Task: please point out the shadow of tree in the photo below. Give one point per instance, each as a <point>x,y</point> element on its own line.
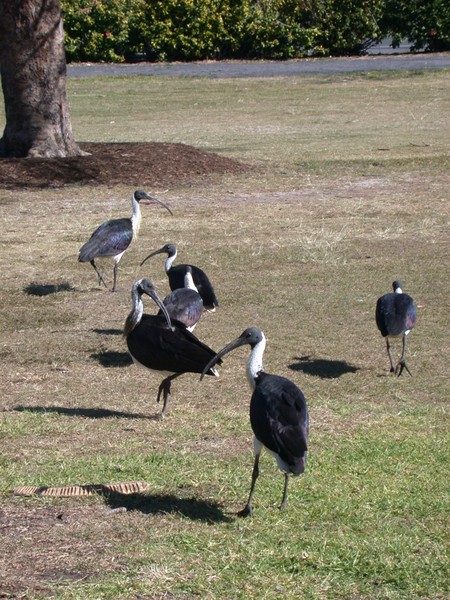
<point>110,359</point>
<point>322,367</point>
<point>90,413</point>
<point>108,331</point>
<point>45,289</point>
<point>151,504</point>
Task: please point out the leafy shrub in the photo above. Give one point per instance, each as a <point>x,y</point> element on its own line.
<point>97,30</point>
<point>117,30</point>
<point>425,23</point>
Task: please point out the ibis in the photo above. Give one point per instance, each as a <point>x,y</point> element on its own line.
<point>161,344</point>
<point>176,276</point>
<point>185,304</point>
<point>278,414</point>
<point>112,238</point>
<point>395,315</point>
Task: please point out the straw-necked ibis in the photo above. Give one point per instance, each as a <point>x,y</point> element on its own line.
<point>185,304</point>
<point>395,315</point>
<point>113,237</point>
<point>278,414</point>
<point>160,344</point>
<point>176,276</point>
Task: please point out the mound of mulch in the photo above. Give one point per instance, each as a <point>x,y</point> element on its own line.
<point>143,164</point>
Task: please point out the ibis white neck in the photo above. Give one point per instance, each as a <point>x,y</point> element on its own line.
<point>189,282</point>
<point>135,316</point>
<point>255,364</point>
<point>169,261</point>
<point>136,216</point>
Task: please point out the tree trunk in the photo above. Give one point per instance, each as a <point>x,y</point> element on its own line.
<point>33,74</point>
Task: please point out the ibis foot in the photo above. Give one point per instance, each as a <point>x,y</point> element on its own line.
<point>247,511</point>
<point>400,367</point>
<point>101,281</point>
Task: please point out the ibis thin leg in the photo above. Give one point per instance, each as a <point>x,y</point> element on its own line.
<point>402,363</point>
<point>99,274</point>
<point>284,500</point>
<point>388,348</point>
<point>247,511</point>
<point>116,269</point>
<point>164,389</point>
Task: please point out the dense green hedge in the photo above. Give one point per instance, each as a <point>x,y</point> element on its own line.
<point>425,23</point>
<point>117,30</point>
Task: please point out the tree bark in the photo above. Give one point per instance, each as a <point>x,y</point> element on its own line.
<point>33,75</point>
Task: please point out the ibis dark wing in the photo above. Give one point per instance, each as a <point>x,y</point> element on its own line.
<point>109,239</point>
<point>175,350</point>
<point>395,314</point>
<point>279,419</point>
<point>408,309</point>
<point>201,280</point>
<point>184,305</point>
<point>382,313</point>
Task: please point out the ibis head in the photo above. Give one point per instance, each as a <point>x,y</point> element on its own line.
<point>140,195</point>
<point>251,336</point>
<point>140,287</point>
<point>169,249</point>
<point>145,286</point>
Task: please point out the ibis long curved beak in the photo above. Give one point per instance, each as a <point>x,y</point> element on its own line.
<point>239,341</point>
<point>158,201</point>
<point>160,251</point>
<point>149,289</point>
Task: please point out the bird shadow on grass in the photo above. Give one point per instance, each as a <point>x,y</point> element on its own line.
<point>110,359</point>
<point>108,331</point>
<point>45,289</point>
<point>153,504</point>
<point>89,413</point>
<point>322,367</point>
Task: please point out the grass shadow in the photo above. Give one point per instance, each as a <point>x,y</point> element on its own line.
<point>153,504</point>
<point>111,359</point>
<point>322,367</point>
<point>108,331</point>
<point>89,413</point>
<point>45,289</point>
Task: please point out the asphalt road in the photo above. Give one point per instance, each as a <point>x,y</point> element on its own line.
<point>256,68</point>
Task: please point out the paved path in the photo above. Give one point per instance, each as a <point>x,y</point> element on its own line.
<point>256,68</point>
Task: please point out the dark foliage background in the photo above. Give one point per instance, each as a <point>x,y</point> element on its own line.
<point>186,30</point>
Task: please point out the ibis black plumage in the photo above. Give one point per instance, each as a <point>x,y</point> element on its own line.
<point>176,274</point>
<point>278,414</point>
<point>395,315</point>
<point>112,238</point>
<point>160,344</point>
<point>185,304</point>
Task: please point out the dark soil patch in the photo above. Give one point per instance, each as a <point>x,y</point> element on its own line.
<point>134,164</point>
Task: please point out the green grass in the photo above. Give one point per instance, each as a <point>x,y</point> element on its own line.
<point>349,192</point>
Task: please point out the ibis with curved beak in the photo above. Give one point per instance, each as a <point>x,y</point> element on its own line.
<point>177,273</point>
<point>112,238</point>
<point>161,344</point>
<point>395,315</point>
<point>278,414</point>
